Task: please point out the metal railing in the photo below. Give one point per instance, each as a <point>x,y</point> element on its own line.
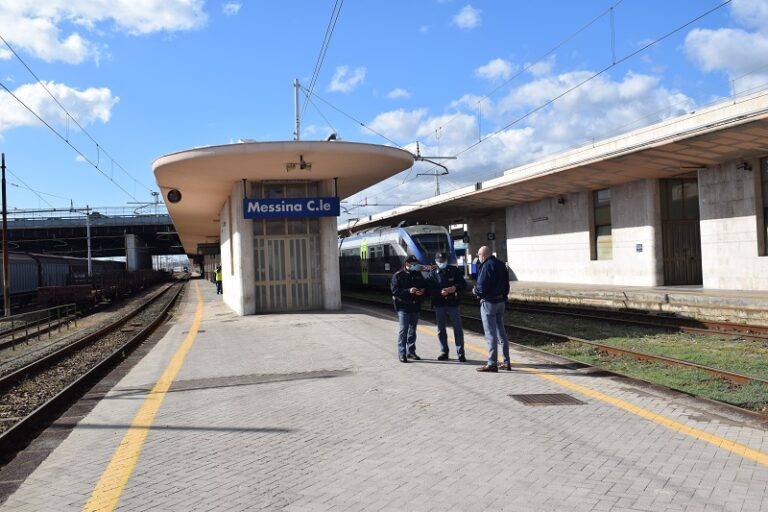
<point>34,324</point>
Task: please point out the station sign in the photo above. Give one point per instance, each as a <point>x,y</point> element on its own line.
<point>291,207</point>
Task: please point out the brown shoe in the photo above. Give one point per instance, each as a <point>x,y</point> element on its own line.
<point>505,366</point>
<point>488,368</point>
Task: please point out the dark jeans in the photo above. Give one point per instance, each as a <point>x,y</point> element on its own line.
<point>406,339</point>
<point>443,313</point>
<point>218,288</point>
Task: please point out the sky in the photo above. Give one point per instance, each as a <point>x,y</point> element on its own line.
<point>136,79</point>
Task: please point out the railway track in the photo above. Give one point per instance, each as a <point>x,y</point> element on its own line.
<point>36,392</point>
<point>650,320</point>
<point>736,378</point>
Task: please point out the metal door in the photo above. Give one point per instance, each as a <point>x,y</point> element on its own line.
<point>287,274</point>
<point>681,232</point>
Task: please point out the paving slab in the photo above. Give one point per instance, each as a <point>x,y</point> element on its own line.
<point>312,412</point>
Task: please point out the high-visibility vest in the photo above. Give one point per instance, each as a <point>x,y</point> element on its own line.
<point>218,275</point>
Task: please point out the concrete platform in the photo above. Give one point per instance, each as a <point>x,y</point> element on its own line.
<point>313,412</point>
<point>689,301</point>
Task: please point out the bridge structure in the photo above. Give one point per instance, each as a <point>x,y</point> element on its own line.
<point>111,231</point>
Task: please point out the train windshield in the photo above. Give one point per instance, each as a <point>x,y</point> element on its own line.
<point>431,243</point>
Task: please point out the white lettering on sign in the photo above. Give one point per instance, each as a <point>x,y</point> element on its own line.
<point>277,208</point>
<point>318,206</point>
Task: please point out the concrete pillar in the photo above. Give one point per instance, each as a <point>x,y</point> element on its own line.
<point>238,279</point>
<point>329,253</point>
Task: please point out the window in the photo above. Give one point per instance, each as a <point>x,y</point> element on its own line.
<point>602,248</point>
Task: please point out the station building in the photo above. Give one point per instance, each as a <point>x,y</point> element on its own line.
<point>267,213</point>
<point>681,202</point>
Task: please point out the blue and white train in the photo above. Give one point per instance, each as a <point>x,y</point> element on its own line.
<point>369,258</point>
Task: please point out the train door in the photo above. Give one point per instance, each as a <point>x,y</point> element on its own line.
<point>681,232</point>
<point>287,255</point>
<point>364,260</point>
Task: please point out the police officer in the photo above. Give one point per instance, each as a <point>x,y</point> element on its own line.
<point>408,291</point>
<point>447,284</point>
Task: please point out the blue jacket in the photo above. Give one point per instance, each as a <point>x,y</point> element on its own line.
<point>439,279</point>
<point>493,281</point>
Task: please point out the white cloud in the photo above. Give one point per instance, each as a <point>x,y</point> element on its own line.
<point>737,52</point>
<point>424,29</point>
<point>398,124</point>
<point>86,106</point>
<point>601,108</point>
<point>80,158</point>
<point>542,67</point>
<point>497,69</point>
<point>231,8</point>
<point>38,27</point>
<point>468,17</point>
<point>398,93</point>
<point>344,81</point>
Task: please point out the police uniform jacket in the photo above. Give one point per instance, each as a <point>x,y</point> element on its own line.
<point>493,281</point>
<point>445,278</point>
<point>401,284</point>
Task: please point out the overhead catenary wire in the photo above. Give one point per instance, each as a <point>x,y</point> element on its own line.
<point>36,192</point>
<point>323,49</point>
<point>99,147</point>
<point>66,140</point>
<point>582,83</point>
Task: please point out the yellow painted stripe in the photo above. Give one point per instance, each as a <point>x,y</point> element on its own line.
<point>109,488</point>
<point>720,442</point>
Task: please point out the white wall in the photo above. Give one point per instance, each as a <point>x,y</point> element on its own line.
<point>550,242</point>
<point>237,259</point>
<point>729,228</point>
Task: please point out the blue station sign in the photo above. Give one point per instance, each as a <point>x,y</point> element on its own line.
<point>291,207</point>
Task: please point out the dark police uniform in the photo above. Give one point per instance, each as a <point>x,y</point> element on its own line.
<point>408,306</point>
<point>447,306</point>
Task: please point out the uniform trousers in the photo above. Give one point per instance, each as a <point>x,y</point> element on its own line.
<point>406,338</point>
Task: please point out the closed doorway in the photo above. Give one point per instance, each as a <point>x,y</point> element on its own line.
<point>287,254</point>
<point>681,232</point>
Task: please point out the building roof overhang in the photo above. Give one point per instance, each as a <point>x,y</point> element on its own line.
<point>205,176</point>
<point>681,145</point>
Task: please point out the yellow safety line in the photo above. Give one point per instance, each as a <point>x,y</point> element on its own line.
<point>720,442</point>
<point>112,482</point>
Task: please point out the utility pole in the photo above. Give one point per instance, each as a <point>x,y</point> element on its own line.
<point>88,235</point>
<point>6,263</point>
<point>431,159</point>
<point>297,133</point>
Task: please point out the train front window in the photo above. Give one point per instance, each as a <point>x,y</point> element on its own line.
<point>431,243</point>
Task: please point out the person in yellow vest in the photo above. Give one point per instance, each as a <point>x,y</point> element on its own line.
<point>218,280</point>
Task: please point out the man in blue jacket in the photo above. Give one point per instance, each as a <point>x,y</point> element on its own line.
<point>492,289</point>
<point>447,286</point>
<point>408,288</point>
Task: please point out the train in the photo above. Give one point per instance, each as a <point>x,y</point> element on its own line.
<point>49,280</point>
<point>369,258</point>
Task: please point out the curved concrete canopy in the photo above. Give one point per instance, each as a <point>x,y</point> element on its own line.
<point>205,176</point>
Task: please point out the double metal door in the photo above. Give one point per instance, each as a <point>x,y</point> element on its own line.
<point>287,273</point>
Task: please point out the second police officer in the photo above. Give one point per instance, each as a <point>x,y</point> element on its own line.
<point>447,285</point>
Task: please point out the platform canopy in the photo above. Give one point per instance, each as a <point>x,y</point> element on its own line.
<point>205,176</point>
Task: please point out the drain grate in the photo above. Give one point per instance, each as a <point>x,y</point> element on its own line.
<point>548,399</point>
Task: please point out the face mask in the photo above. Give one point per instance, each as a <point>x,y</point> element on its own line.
<point>443,265</point>
<point>416,267</point>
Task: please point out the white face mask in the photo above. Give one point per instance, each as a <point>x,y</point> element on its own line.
<point>443,265</point>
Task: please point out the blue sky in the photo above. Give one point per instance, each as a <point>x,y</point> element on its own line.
<point>151,77</point>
